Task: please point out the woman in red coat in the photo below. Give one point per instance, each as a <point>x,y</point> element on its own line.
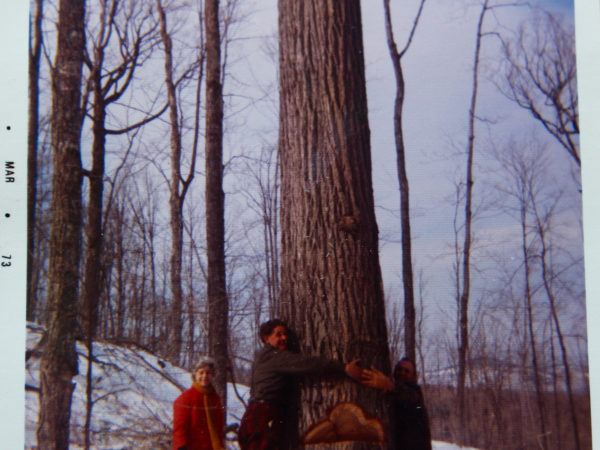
<point>198,419</point>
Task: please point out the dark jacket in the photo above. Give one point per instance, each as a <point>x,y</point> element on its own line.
<point>273,370</point>
<point>268,422</point>
<point>411,423</point>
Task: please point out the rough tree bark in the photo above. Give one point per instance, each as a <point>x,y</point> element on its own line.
<point>59,361</point>
<point>331,286</point>
<point>410,332</point>
<point>218,308</point>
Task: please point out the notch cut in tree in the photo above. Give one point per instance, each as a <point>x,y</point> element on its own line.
<point>346,422</point>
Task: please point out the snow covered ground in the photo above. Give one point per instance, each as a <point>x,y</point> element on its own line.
<point>133,395</point>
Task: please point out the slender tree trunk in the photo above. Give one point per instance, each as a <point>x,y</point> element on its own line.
<point>463,349</point>
<point>178,189</point>
<point>407,268</point>
<point>191,339</point>
<point>93,230</point>
<point>59,361</point>
<point>546,278</point>
<point>530,325</point>
<point>218,308</point>
<point>269,189</point>
<point>556,392</point>
<point>274,239</point>
<point>32,145</point>
<point>154,299</point>
<point>175,199</point>
<point>120,255</point>
<point>331,287</point>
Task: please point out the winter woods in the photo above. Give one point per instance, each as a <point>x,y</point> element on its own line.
<point>297,213</point>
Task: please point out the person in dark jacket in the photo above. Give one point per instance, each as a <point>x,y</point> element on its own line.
<point>410,421</point>
<point>198,418</point>
<point>273,371</point>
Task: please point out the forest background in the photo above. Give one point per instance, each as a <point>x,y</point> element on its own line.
<point>434,234</point>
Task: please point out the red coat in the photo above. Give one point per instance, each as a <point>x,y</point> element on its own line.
<point>190,421</point>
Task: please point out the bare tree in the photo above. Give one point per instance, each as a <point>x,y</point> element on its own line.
<point>407,267</point>
<point>178,185</point>
<point>523,166</point>
<point>263,199</point>
<point>329,245</point>
<point>144,205</point>
<point>197,327</point>
<point>463,267</point>
<point>541,77</point>
<point>543,222</point>
<point>135,35</point>
<point>464,288</point>
<point>59,360</point>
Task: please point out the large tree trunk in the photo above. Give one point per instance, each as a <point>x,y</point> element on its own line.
<point>218,308</point>
<point>59,360</point>
<point>32,144</point>
<point>331,287</point>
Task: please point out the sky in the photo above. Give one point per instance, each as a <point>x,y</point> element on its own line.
<point>435,125</point>
<point>454,34</point>
<point>437,71</point>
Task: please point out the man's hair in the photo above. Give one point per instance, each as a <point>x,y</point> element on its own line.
<point>267,328</point>
<point>397,368</point>
<point>406,358</point>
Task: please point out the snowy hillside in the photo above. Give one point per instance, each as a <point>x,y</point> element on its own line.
<point>133,396</point>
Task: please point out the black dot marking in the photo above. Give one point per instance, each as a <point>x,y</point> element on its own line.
<point>7,215</point>
<point>8,127</point>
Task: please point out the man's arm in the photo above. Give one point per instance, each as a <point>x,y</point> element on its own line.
<point>298,364</point>
<point>376,379</point>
